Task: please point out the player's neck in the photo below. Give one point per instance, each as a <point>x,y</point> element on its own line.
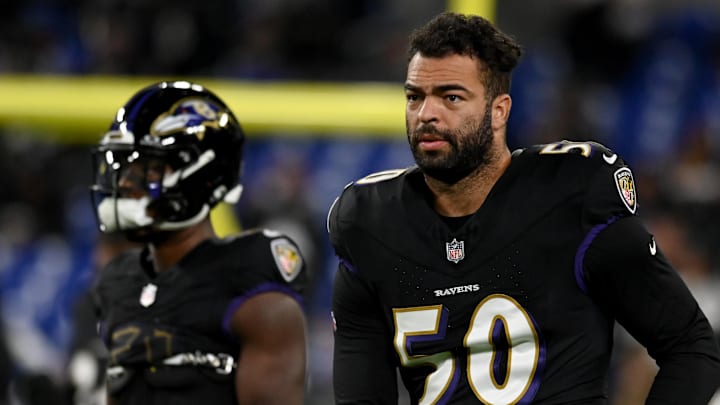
<point>169,253</point>
<point>467,195</point>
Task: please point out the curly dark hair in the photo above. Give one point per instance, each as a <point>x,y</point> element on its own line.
<point>470,35</point>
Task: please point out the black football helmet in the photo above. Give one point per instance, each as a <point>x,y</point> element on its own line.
<point>172,153</point>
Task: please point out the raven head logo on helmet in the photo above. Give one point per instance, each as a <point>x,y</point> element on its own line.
<point>172,153</point>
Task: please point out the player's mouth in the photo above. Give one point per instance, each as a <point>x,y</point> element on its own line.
<point>431,142</point>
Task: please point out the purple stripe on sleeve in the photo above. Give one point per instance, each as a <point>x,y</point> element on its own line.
<point>262,288</point>
<point>348,265</point>
<point>582,250</point>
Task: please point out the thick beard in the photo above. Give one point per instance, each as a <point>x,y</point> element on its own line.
<point>470,147</point>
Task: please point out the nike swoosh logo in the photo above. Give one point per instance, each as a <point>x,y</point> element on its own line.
<point>653,247</point>
<point>610,159</point>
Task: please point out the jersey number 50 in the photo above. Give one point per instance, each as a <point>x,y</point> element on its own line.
<point>428,324</point>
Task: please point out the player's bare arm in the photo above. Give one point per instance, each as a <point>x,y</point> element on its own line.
<point>272,361</point>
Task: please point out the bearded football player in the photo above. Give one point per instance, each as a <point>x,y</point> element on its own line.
<point>491,277</point>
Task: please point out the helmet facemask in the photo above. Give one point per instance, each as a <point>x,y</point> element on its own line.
<point>128,188</point>
<point>156,189</point>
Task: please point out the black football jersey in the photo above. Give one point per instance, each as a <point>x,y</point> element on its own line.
<point>165,332</point>
<point>497,311</point>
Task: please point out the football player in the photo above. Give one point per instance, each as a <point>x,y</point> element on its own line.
<point>494,277</point>
<point>191,318</point>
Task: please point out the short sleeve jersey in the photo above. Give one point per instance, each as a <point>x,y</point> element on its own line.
<point>148,318</point>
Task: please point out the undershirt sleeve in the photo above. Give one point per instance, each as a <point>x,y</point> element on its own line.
<point>364,370</point>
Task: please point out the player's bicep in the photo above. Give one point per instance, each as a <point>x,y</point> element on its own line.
<point>363,362</point>
<point>272,361</point>
<point>628,274</point>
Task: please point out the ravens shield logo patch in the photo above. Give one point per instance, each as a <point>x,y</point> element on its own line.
<point>287,258</point>
<point>626,187</point>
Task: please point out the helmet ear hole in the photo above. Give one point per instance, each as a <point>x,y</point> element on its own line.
<point>197,138</point>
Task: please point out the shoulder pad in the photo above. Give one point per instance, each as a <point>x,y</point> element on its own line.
<point>608,184</point>
<point>351,206</point>
<point>268,249</point>
<point>590,150</point>
<point>363,189</point>
<point>285,253</point>
<point>286,256</point>
<point>572,160</point>
<point>380,176</point>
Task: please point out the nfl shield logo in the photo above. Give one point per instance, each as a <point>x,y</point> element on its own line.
<point>455,250</point>
<point>147,296</point>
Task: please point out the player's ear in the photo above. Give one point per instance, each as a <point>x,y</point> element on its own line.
<point>500,111</point>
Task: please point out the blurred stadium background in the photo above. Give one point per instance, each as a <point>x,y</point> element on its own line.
<point>317,85</point>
